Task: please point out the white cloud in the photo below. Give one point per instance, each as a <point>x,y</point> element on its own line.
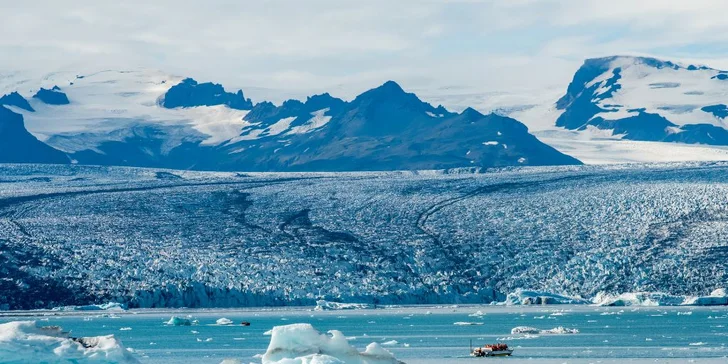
<point>345,45</point>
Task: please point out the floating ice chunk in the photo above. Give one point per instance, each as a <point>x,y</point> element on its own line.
<point>560,331</point>
<point>125,329</point>
<point>25,341</point>
<point>390,343</point>
<point>638,299</point>
<point>178,321</point>
<point>303,344</point>
<point>111,306</point>
<point>477,314</point>
<point>323,305</point>
<point>719,297</point>
<point>224,321</point>
<point>700,343</point>
<point>231,361</point>
<point>464,323</point>
<point>524,330</point>
<point>526,297</point>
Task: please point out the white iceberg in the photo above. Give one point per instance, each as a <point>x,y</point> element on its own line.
<point>322,305</point>
<point>178,321</point>
<point>466,323</point>
<point>303,344</point>
<point>527,330</point>
<point>26,342</point>
<point>560,331</point>
<point>521,330</point>
<point>718,297</point>
<point>526,297</point>
<point>224,321</point>
<point>110,306</point>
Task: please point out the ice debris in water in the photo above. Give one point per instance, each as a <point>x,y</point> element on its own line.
<point>179,321</point>
<point>26,342</point>
<point>520,330</point>
<point>224,321</point>
<point>303,344</point>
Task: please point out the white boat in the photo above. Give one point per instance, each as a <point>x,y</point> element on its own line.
<point>492,350</point>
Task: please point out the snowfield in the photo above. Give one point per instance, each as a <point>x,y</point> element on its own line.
<point>74,236</point>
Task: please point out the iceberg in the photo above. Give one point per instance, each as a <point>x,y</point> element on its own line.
<point>25,341</point>
<point>322,305</point>
<point>526,330</point>
<point>178,321</point>
<point>110,306</point>
<point>303,344</point>
<point>521,330</point>
<point>526,297</point>
<point>560,331</point>
<point>224,321</point>
<point>718,297</point>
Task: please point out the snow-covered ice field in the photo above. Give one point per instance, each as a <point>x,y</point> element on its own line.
<point>424,335</point>
<point>73,235</point>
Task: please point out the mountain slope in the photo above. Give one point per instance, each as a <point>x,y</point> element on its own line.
<point>386,129</point>
<point>639,98</point>
<point>17,145</point>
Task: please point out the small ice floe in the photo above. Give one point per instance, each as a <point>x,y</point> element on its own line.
<point>524,330</point>
<point>238,338</point>
<point>477,314</point>
<point>390,343</point>
<point>524,337</point>
<point>231,361</point>
<point>700,343</point>
<point>406,345</point>
<point>539,317</point>
<point>224,321</point>
<point>323,305</point>
<point>178,321</point>
<point>560,331</point>
<point>125,329</point>
<point>195,332</point>
<point>521,330</point>
<point>465,323</point>
<point>371,322</point>
<point>648,339</point>
<point>685,313</point>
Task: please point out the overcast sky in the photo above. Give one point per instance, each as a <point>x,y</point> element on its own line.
<point>340,45</point>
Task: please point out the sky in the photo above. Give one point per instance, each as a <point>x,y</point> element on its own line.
<point>303,47</point>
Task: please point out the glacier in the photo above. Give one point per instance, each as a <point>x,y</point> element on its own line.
<point>152,238</point>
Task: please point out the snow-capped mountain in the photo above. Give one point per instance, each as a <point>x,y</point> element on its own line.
<point>648,99</point>
<point>145,118</point>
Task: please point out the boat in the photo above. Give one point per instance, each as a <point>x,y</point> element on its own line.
<point>492,350</point>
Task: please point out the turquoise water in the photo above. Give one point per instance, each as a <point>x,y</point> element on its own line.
<point>426,334</point>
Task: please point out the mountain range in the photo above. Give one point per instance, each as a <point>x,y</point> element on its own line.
<point>151,119</point>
